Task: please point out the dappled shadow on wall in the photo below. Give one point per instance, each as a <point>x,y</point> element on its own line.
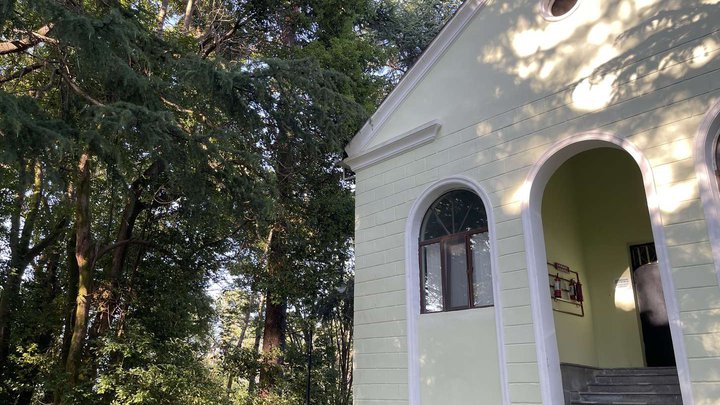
<point>603,48</point>
<point>588,71</point>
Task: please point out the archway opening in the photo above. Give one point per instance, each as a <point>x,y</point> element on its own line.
<point>604,282</point>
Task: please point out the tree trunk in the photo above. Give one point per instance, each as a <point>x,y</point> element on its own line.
<point>84,256</point>
<point>276,302</point>
<point>189,11</point>
<point>133,207</point>
<point>241,339</point>
<point>20,255</point>
<point>161,15</point>
<point>273,339</point>
<point>309,346</point>
<point>73,275</point>
<point>252,384</point>
<point>44,336</point>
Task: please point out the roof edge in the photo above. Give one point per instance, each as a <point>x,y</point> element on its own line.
<point>409,140</point>
<point>412,78</point>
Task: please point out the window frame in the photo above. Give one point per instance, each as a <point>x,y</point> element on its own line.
<point>469,271</point>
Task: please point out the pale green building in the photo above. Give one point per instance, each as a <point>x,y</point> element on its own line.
<point>538,214</point>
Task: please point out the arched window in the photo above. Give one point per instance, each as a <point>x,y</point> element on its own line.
<point>454,252</point>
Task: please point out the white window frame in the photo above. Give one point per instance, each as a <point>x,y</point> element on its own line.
<point>412,278</point>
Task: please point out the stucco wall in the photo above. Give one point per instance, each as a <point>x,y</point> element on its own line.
<point>459,357</point>
<point>511,86</point>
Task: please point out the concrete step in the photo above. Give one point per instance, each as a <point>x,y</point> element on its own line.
<point>632,386</point>
<point>636,371</point>
<point>622,403</point>
<point>639,387</point>
<point>631,397</point>
<point>639,378</point>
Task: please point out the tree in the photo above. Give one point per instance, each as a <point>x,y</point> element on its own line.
<point>148,147</point>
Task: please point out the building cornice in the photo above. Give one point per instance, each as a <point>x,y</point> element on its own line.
<point>407,141</point>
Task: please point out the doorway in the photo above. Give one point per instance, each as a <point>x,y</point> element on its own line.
<point>657,341</point>
<point>534,189</point>
<point>593,208</point>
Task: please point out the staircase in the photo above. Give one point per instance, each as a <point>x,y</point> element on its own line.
<point>631,386</point>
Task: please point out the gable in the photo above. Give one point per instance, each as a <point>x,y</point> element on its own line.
<point>367,139</point>
<point>501,63</point>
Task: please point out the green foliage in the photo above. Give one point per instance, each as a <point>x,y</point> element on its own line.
<point>214,150</point>
<point>407,27</point>
<point>156,371</point>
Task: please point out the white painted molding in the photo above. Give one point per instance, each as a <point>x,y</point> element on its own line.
<point>407,141</point>
<point>705,166</point>
<point>412,78</point>
<point>412,279</point>
<point>543,322</point>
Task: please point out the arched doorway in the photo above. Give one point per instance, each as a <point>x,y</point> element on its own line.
<point>546,335</point>
<point>609,309</point>
<point>707,166</point>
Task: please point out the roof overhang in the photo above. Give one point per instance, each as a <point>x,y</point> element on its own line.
<point>409,140</point>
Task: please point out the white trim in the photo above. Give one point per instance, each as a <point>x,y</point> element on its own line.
<point>544,325</point>
<point>707,137</point>
<point>412,279</point>
<point>412,139</point>
<point>413,77</point>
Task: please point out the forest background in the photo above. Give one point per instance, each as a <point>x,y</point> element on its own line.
<point>175,227</point>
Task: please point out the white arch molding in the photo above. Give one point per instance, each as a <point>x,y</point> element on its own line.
<point>705,167</point>
<point>543,322</point>
<point>412,278</point>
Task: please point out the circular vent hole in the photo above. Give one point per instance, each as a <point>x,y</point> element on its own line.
<point>561,7</point>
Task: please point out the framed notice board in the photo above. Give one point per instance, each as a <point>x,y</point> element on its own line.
<point>566,290</point>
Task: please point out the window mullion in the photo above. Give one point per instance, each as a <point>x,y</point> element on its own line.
<point>443,276</point>
<point>469,271</point>
<point>423,271</point>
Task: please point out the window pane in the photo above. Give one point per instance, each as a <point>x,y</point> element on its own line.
<point>454,212</point>
<point>432,278</point>
<point>482,275</point>
<point>456,267</point>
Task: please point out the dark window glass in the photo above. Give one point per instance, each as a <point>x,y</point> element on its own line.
<point>454,254</point>
<point>454,212</point>
<point>457,272</point>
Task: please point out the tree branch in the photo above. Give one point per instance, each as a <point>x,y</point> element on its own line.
<point>22,72</point>
<point>76,88</point>
<point>20,45</point>
<point>238,23</point>
<point>108,248</point>
<point>59,229</point>
<point>190,112</point>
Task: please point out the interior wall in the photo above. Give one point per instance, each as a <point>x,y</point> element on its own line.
<point>563,244</point>
<point>594,208</point>
<point>610,185</point>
